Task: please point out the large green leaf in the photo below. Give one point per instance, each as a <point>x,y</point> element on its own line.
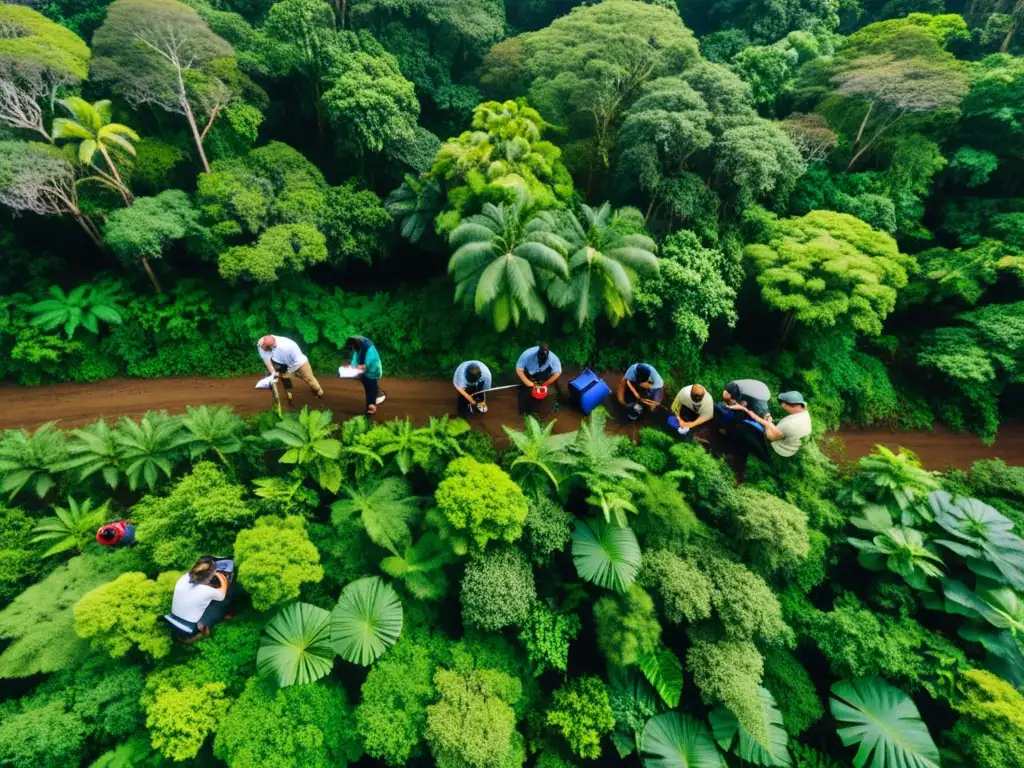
<point>297,648</point>
<point>606,555</point>
<point>983,535</point>
<point>366,621</point>
<point>772,752</point>
<point>664,671</point>
<point>675,740</point>
<point>882,720</point>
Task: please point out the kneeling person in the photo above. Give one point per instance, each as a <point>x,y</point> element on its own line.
<point>786,437</point>
<point>640,387</point>
<point>471,379</point>
<point>201,599</point>
<point>537,368</point>
<point>693,407</point>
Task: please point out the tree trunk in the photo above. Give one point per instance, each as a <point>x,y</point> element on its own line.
<point>1009,34</point>
<point>341,7</point>
<point>871,141</point>
<point>863,123</point>
<point>787,328</point>
<point>183,100</point>
<point>149,273</point>
<point>89,229</point>
<point>121,186</point>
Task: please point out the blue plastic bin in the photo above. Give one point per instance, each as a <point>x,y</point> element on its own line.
<point>588,390</point>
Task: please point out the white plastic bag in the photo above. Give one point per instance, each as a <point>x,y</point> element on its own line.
<point>348,372</point>
<point>266,382</point>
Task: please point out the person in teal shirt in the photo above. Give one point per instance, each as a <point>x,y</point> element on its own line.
<point>364,356</point>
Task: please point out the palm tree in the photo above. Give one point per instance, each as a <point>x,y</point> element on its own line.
<point>385,508</point>
<point>149,447</point>
<point>605,262</point>
<point>31,459</point>
<point>596,455</point>
<point>90,126</point>
<point>539,455</point>
<point>500,254</point>
<point>212,428</point>
<point>71,527</point>
<point>94,449</point>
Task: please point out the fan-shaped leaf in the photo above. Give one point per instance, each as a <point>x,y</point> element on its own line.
<point>366,621</point>
<point>296,649</point>
<point>606,555</point>
<point>675,740</point>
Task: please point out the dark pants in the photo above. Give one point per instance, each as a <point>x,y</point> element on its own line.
<point>372,389</point>
<point>525,396</point>
<point>657,395</point>
<point>215,612</point>
<point>476,391</point>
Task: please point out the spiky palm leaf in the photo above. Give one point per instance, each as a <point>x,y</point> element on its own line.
<point>605,261</point>
<point>385,507</point>
<point>439,442</point>
<point>414,205</point>
<point>421,567</point>
<point>82,307</point>
<point>212,428</point>
<point>396,439</point>
<point>606,555</point>
<point>596,454</point>
<point>31,459</point>
<point>94,449</point>
<point>675,740</point>
<point>499,255</point>
<point>882,720</point>
<point>71,527</point>
<point>366,621</point>
<point>150,447</point>
<point>540,456</point>
<point>664,672</point>
<point>296,649</point>
<point>309,444</point>
<point>90,126</point>
<point>767,748</point>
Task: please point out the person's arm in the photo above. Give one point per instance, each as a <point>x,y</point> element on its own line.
<point>553,379</point>
<point>771,432</point>
<point>521,373</point>
<point>556,371</point>
<point>267,362</point>
<point>699,420</point>
<point>466,395</point>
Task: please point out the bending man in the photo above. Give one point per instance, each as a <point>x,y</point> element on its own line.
<point>471,379</point>
<point>693,407</point>
<point>284,360</point>
<point>364,356</point>
<point>786,437</point>
<point>641,387</point>
<point>537,367</point>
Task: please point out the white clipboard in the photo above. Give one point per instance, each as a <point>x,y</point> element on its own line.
<point>348,372</point>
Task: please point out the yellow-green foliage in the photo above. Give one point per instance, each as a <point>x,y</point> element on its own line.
<point>581,712</point>
<point>275,558</point>
<point>728,672</point>
<point>774,531</point>
<point>180,719</point>
<point>990,731</point>
<point>41,45</point>
<point>627,626</point>
<point>473,724</point>
<point>200,516</point>
<point>479,503</point>
<point>125,614</point>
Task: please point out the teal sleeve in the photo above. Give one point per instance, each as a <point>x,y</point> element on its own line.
<point>374,370</point>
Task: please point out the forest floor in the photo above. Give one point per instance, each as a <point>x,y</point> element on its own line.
<point>75,405</point>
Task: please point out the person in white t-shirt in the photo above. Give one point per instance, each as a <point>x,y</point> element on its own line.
<point>786,437</point>
<point>201,599</point>
<point>284,360</point>
<point>693,407</point>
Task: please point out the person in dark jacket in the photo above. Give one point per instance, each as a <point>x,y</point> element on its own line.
<point>363,355</point>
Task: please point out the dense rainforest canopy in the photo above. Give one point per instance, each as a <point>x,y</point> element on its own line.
<point>825,195</point>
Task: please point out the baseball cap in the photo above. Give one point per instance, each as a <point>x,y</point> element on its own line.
<point>792,397</point>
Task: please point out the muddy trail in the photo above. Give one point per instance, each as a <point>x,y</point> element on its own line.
<point>74,405</point>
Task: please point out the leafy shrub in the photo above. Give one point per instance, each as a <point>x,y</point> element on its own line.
<point>274,559</point>
<point>705,480</point>
<point>473,721</point>
<point>201,515</point>
<point>20,562</point>
<point>728,672</point>
<point>746,605</point>
<point>548,528</point>
<point>180,719</point>
<point>684,590</point>
<point>990,731</point>
<point>479,503</point>
<point>546,636</point>
<point>665,520</point>
<point>794,691</point>
<point>773,530</point>
<point>498,589</point>
<point>627,626</point>
<point>302,726</point>
<point>47,736</point>
<point>125,614</point>
<point>581,712</point>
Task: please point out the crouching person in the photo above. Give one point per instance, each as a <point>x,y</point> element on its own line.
<point>202,598</point>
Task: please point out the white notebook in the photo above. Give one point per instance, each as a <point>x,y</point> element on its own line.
<point>348,372</point>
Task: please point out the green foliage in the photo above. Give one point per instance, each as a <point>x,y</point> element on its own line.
<point>47,736</point>
<point>385,507</point>
<point>202,514</point>
<point>180,719</point>
<point>684,590</point>
<point>827,269</point>
<point>546,635</point>
<point>729,672</point>
<point>664,672</point>
<point>673,739</point>
<point>309,445</point>
<point>896,481</point>
<point>882,719</point>
<point>605,554</point>
<point>988,733</point>
<point>763,745</point>
<point>479,503</point>
<point>31,459</point>
<point>302,725</point>
<point>582,714</point>
<point>82,307</point>
<point>547,529</point>
<point>746,605</point>
<point>296,649</point>
<point>366,621</point>
<point>627,626</point>
<point>275,558</point>
<point>212,428</point>
<point>497,590</point>
<point>125,614</point>
<point>149,447</point>
<point>40,622</point>
<point>473,722</point>
<point>540,458</point>
<point>71,527</point>
<point>20,562</point>
<point>773,530</point>
<point>984,537</point>
<point>421,567</point>
<point>794,691</point>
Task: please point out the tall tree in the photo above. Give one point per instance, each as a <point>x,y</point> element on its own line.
<point>161,52</point>
<point>37,59</point>
<point>90,126</point>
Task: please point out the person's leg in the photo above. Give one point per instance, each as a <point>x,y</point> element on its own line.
<point>217,610</point>
<point>305,372</point>
<point>524,399</point>
<point>370,388</point>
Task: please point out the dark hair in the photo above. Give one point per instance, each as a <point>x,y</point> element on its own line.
<point>203,571</point>
<point>543,350</point>
<point>642,373</point>
<point>733,389</point>
<point>107,534</point>
<point>473,373</point>
<point>357,345</point>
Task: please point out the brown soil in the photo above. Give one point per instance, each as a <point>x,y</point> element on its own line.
<point>78,404</point>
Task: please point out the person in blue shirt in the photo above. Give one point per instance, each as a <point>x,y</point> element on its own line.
<point>537,367</point>
<point>641,387</point>
<point>364,356</point>
<point>471,379</point>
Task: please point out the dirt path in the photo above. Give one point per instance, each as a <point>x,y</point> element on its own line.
<point>78,404</point>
